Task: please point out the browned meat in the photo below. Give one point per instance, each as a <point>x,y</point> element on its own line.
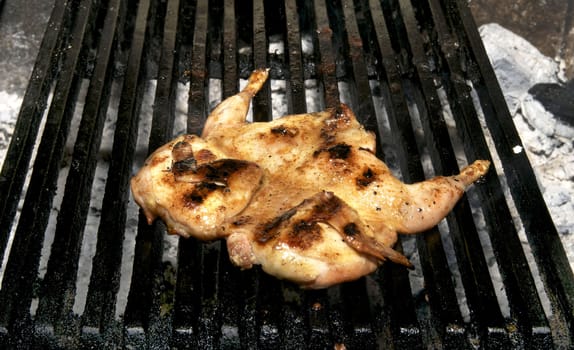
<point>303,196</point>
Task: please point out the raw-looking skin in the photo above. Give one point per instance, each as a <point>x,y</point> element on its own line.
<point>304,196</point>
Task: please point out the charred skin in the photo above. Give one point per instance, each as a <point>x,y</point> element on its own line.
<point>304,196</point>
<point>193,189</point>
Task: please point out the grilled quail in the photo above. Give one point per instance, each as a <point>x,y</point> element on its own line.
<point>304,196</point>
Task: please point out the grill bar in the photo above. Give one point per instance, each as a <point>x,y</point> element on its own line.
<point>197,102</point>
<point>187,290</point>
<point>443,158</point>
<point>229,49</point>
<point>268,24</point>
<point>293,324</point>
<point>541,232</point>
<point>341,321</point>
<point>21,270</point>
<point>405,67</point>
<point>97,320</point>
<point>29,119</point>
<point>295,62</point>
<point>478,286</point>
<point>430,247</point>
<point>327,64</point>
<point>55,307</point>
<point>261,105</point>
<point>143,309</point>
<point>520,286</point>
<point>433,260</point>
<point>406,331</point>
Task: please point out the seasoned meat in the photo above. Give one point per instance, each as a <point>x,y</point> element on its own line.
<point>304,196</point>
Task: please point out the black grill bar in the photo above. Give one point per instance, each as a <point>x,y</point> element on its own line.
<point>342,63</point>
<point>267,300</point>
<point>519,283</point>
<point>59,285</point>
<point>30,116</point>
<point>445,314</point>
<point>295,61</point>
<point>360,91</point>
<point>401,315</point>
<point>520,286</point>
<point>215,39</point>
<point>540,230</point>
<point>327,64</point>
<point>261,104</point>
<point>208,319</point>
<point>229,49</point>
<point>97,320</point>
<point>166,90</point>
<point>479,290</point>
<point>244,20</point>
<point>444,161</point>
<point>401,65</point>
<point>144,321</point>
<point>197,109</point>
<point>187,294</point>
<point>21,270</point>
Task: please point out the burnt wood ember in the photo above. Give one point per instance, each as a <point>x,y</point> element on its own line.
<point>414,72</point>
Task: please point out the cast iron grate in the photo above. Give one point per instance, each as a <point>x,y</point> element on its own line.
<point>413,71</point>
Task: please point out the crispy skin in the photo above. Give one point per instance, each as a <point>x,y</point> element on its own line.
<point>192,196</point>
<point>303,196</point>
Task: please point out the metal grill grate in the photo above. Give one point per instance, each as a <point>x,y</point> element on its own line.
<point>413,71</point>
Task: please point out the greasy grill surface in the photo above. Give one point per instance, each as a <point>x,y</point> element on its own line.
<point>398,64</point>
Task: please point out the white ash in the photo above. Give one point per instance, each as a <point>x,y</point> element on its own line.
<point>548,144</point>
<point>517,63</point>
<point>9,107</point>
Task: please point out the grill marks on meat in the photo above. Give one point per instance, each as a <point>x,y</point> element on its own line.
<point>339,151</point>
<point>285,131</point>
<point>299,227</point>
<point>303,196</point>
<point>210,176</point>
<point>193,188</point>
<point>217,172</point>
<point>198,194</point>
<point>366,178</point>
